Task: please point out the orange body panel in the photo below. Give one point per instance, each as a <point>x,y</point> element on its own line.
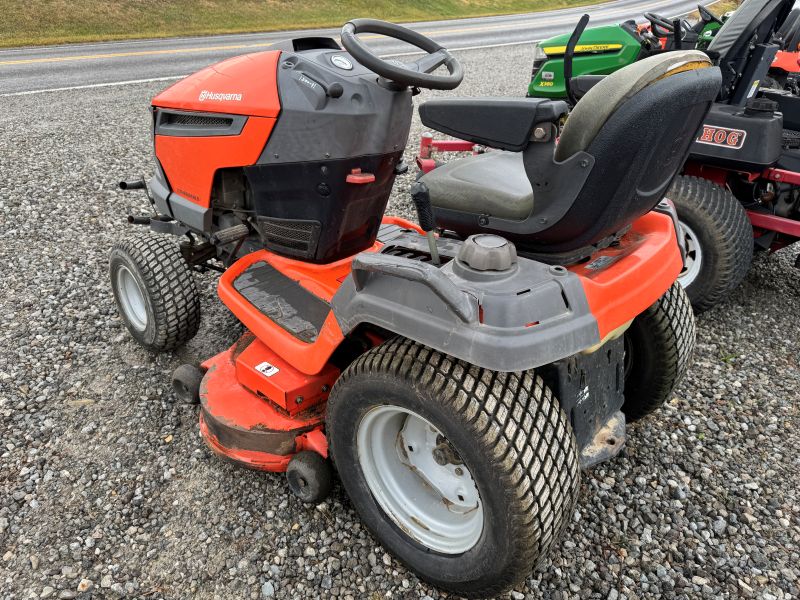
<point>262,371</point>
<point>243,85</point>
<point>190,162</point>
<point>621,282</point>
<point>788,61</point>
<point>320,280</point>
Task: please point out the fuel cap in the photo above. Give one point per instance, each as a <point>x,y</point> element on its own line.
<point>487,252</point>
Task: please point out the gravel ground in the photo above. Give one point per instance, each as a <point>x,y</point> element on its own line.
<point>106,489</point>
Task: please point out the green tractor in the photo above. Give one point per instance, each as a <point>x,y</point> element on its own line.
<point>602,50</point>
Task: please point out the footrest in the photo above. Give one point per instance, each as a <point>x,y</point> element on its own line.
<point>283,300</point>
<point>231,234</point>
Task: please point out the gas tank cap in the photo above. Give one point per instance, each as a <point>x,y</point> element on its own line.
<point>487,252</point>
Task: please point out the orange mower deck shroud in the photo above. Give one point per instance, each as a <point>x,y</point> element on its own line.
<point>250,412</point>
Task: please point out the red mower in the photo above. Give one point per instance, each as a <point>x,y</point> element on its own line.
<point>459,372</point>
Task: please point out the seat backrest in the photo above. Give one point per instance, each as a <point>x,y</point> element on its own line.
<point>638,124</point>
<point>785,31</point>
<point>754,21</point>
<point>789,32</point>
<point>606,96</point>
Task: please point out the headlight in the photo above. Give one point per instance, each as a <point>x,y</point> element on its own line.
<point>539,59</point>
<point>538,53</point>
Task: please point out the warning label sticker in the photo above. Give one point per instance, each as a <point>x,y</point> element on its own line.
<point>267,369</point>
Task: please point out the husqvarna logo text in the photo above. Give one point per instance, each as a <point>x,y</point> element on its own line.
<point>206,95</point>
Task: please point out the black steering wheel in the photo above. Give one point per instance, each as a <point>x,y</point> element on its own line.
<point>707,16</point>
<point>657,21</point>
<point>416,74</point>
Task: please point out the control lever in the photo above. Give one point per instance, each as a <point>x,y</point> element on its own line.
<point>427,220</point>
<point>133,185</point>
<point>677,35</point>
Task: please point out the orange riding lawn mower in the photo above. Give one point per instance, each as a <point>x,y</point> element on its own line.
<point>459,372</point>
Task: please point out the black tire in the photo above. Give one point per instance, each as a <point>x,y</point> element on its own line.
<point>510,433</point>
<point>171,304</point>
<point>186,380</point>
<point>310,477</point>
<point>723,233</point>
<point>658,349</point>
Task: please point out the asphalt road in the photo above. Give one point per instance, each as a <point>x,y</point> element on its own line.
<point>35,69</point>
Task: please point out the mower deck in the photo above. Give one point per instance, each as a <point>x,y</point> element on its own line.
<point>258,411</point>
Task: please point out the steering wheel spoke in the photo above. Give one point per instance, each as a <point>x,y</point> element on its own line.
<point>660,25</point>
<point>415,74</point>
<point>430,62</point>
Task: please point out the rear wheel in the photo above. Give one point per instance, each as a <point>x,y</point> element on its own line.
<point>155,291</point>
<point>658,348</point>
<point>718,237</point>
<point>466,475</point>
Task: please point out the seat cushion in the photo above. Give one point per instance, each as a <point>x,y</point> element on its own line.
<point>493,183</point>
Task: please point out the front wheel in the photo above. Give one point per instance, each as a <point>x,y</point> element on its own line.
<point>658,348</point>
<point>155,291</point>
<point>718,237</point>
<point>466,475</point>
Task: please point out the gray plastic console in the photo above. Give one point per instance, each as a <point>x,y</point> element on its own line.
<point>528,315</point>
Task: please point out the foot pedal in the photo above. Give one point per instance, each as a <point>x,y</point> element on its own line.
<point>230,234</point>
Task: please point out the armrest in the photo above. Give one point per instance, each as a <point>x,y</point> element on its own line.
<point>502,123</point>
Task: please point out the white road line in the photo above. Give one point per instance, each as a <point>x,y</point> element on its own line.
<point>92,86</point>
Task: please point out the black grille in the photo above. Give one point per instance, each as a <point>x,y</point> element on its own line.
<point>291,236</point>
<point>196,120</point>
<point>413,254</point>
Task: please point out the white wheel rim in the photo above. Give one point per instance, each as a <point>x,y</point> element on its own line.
<point>694,256</point>
<point>131,298</point>
<point>438,505</point>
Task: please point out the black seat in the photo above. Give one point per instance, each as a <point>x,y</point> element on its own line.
<point>750,26</point>
<point>789,32</point>
<point>621,147</point>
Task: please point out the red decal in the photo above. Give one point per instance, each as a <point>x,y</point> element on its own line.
<point>722,136</point>
<point>708,134</point>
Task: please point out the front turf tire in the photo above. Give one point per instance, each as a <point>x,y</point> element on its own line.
<point>658,349</point>
<point>508,430</point>
<point>719,236</point>
<point>155,291</point>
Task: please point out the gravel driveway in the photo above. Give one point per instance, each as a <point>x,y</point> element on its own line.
<point>106,489</point>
